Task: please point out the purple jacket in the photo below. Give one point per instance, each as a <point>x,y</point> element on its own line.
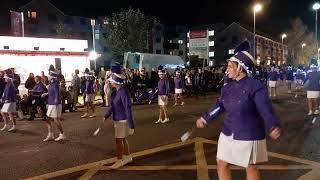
<point>289,75</point>
<point>313,79</point>
<point>39,89</point>
<point>120,107</point>
<point>89,86</point>
<point>9,94</point>
<point>178,84</point>
<point>163,86</point>
<point>300,76</point>
<point>273,76</point>
<point>248,108</point>
<point>54,97</point>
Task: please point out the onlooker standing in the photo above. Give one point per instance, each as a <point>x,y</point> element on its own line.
<point>36,100</point>
<point>107,89</point>
<point>90,94</point>
<point>101,90</point>
<point>44,79</point>
<point>75,83</point>
<point>30,83</point>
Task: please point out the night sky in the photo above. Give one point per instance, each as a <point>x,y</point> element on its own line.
<point>275,17</point>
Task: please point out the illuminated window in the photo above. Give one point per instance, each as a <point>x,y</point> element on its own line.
<point>211,54</point>
<point>180,41</point>
<point>32,14</point>
<point>188,34</point>
<point>211,43</point>
<point>188,44</point>
<point>231,51</point>
<point>211,33</point>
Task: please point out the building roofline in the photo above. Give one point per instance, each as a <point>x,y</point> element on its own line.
<point>21,7</point>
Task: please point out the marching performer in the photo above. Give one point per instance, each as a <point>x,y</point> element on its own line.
<point>54,106</point>
<point>242,141</point>
<point>90,94</point>
<point>273,77</point>
<point>9,99</point>
<point>178,88</point>
<point>313,88</point>
<point>289,77</point>
<point>163,86</point>
<point>124,125</point>
<point>299,80</point>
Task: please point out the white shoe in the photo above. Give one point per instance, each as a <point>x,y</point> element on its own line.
<point>296,96</point>
<point>165,120</point>
<point>61,137</point>
<point>4,127</point>
<point>85,115</point>
<point>159,121</point>
<point>50,137</point>
<point>175,104</point>
<point>182,103</point>
<point>314,120</point>
<point>310,113</point>
<point>127,159</point>
<point>13,128</point>
<point>92,116</point>
<point>316,112</point>
<point>118,164</point>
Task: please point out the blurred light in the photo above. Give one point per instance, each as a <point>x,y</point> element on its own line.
<point>283,36</point>
<point>303,45</point>
<point>257,7</point>
<point>93,55</point>
<point>316,6</point>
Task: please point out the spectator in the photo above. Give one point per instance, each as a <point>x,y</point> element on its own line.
<point>76,83</point>
<point>30,83</point>
<point>36,100</point>
<point>44,79</point>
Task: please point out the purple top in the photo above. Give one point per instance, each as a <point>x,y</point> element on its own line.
<point>313,81</point>
<point>54,97</point>
<point>289,75</point>
<point>300,76</point>
<point>120,107</point>
<point>178,84</point>
<point>247,108</point>
<point>226,79</point>
<point>163,86</point>
<point>273,76</point>
<point>9,94</point>
<point>39,89</point>
<point>89,86</point>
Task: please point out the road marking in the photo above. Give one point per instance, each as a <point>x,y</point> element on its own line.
<point>202,166</point>
<point>312,175</point>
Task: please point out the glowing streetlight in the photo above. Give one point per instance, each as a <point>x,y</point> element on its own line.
<point>303,45</point>
<point>316,7</point>
<point>93,55</point>
<point>282,37</point>
<point>256,8</point>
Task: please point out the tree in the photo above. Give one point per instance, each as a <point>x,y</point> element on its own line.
<point>62,31</point>
<point>297,35</point>
<point>128,31</point>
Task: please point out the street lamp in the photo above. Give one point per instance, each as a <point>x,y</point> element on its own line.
<point>302,46</point>
<point>282,37</point>
<point>93,53</point>
<point>316,7</point>
<point>256,8</point>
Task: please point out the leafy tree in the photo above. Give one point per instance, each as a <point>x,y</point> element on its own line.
<point>62,31</point>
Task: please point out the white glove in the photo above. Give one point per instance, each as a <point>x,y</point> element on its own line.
<point>44,95</point>
<point>131,131</point>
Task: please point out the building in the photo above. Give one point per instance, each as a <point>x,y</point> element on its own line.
<point>27,54</point>
<point>221,45</point>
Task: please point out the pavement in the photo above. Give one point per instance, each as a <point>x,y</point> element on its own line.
<point>157,150</point>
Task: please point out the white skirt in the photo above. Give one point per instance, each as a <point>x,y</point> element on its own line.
<point>241,153</point>
<point>162,100</point>
<point>9,107</point>
<point>178,91</point>
<point>54,111</point>
<point>312,94</point>
<point>121,129</point>
<point>272,84</point>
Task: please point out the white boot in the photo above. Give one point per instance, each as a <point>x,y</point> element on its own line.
<point>4,127</point>
<point>93,115</point>
<point>165,120</point>
<point>159,121</point>
<point>85,115</point>
<point>13,128</point>
<point>316,112</point>
<point>61,137</point>
<point>49,137</point>
<point>182,103</point>
<point>310,113</point>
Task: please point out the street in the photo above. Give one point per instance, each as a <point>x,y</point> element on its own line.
<point>157,150</point>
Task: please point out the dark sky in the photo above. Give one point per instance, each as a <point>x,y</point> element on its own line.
<point>275,17</point>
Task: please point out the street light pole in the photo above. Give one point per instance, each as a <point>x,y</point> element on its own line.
<point>282,37</point>
<point>316,7</point>
<point>302,46</point>
<point>256,8</point>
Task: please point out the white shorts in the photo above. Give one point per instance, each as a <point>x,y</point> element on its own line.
<point>312,94</point>
<point>90,97</point>
<point>272,84</point>
<point>9,107</point>
<point>121,129</point>
<point>162,100</point>
<point>241,153</point>
<point>288,81</point>
<point>299,82</point>
<point>178,91</point>
<point>54,111</point>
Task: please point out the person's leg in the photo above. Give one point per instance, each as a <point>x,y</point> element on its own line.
<point>43,109</point>
<point>12,118</point>
<point>175,99</point>
<point>5,119</point>
<point>181,99</point>
<point>120,148</point>
<point>126,150</point>
<point>310,106</point>
<point>59,125</point>
<point>165,111</point>
<point>270,91</point>
<point>103,100</point>
<point>50,132</point>
<point>223,169</point>
<point>252,173</point>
